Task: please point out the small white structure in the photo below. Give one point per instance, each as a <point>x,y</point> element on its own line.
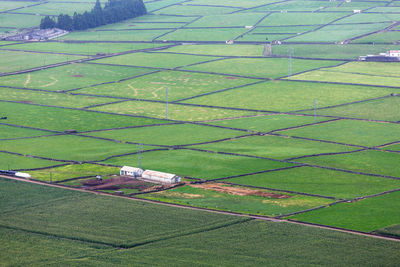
<point>356,11</point>
<point>22,175</point>
<point>162,177</point>
<point>393,53</point>
<point>131,171</point>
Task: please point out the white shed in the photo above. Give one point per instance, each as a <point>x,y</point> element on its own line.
<point>161,177</point>
<point>131,171</point>
<point>394,53</point>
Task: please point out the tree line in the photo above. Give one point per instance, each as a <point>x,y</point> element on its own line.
<point>113,11</point>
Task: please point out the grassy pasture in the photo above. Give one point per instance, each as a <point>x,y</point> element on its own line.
<point>320,181</point>
<point>260,67</point>
<point>175,111</point>
<point>199,197</point>
<point>121,35</point>
<point>274,147</point>
<point>172,134</point>
<point>265,123</point>
<point>373,73</point>
<point>233,3</point>
<point>380,37</point>
<point>49,98</point>
<point>187,10</point>
<point>68,147</point>
<point>157,60</point>
<point>366,18</point>
<point>7,5</point>
<point>221,50</point>
<point>59,8</point>
<point>141,25</point>
<point>15,162</point>
<point>256,36</point>
<point>68,218</point>
<point>14,132</point>
<point>18,20</point>
<point>209,34</point>
<point>72,171</point>
<point>85,48</point>
<point>351,132</point>
<point>15,60</point>
<point>64,119</point>
<point>338,33</point>
<point>282,96</point>
<point>70,76</point>
<point>364,215</point>
<point>180,85</point>
<point>191,163</point>
<point>293,18</point>
<point>381,109</point>
<point>389,231</point>
<point>160,4</point>
<point>375,162</point>
<point>236,19</point>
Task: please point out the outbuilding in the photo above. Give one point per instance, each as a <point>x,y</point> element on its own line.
<point>161,177</point>
<point>131,171</point>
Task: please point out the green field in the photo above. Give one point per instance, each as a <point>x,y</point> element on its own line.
<point>261,107</point>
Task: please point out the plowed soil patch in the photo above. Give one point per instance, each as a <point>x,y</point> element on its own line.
<point>238,191</point>
<point>113,183</point>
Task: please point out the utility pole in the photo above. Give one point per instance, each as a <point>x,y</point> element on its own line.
<point>166,104</point>
<point>315,110</point>
<point>140,155</point>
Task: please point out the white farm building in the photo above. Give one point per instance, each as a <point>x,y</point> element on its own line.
<point>161,177</point>
<point>131,171</point>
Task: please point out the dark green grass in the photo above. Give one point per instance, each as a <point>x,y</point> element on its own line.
<point>199,197</point>
<point>284,96</point>
<point>180,85</point>
<point>68,147</point>
<point>71,76</point>
<point>371,161</point>
<point>73,171</point>
<point>157,60</point>
<point>382,109</point>
<point>173,134</point>
<point>351,132</point>
<point>320,181</point>
<point>192,163</point>
<point>15,162</point>
<point>259,243</point>
<point>274,147</point>
<point>65,119</point>
<point>121,222</point>
<point>82,48</point>
<point>393,231</point>
<point>260,67</point>
<point>364,215</point>
<point>266,123</point>
<point>49,98</point>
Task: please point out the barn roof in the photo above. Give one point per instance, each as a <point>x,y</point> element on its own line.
<point>131,169</point>
<point>159,174</point>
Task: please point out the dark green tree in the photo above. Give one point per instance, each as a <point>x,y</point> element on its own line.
<point>47,23</point>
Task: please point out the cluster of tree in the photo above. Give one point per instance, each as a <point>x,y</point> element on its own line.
<point>113,11</point>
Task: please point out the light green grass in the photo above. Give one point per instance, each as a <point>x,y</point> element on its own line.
<point>380,37</point>
<point>236,19</point>
<point>15,132</point>
<point>72,171</point>
<point>19,21</point>
<point>351,132</point>
<point>274,147</point>
<point>65,119</point>
<point>59,8</point>
<point>284,96</point>
<point>13,60</point>
<point>173,134</point>
<point>175,111</point>
<point>191,163</point>
<point>261,67</point>
<point>127,35</point>
<point>320,181</point>
<point>15,162</point>
<point>234,3</point>
<point>375,162</point>
<point>195,10</point>
<point>297,6</point>
<point>364,215</point>
<point>365,18</point>
<point>381,109</point>
<point>199,197</point>
<point>293,18</point>
<point>180,85</point>
<point>157,60</point>
<point>216,34</point>
<point>221,50</point>
<point>85,48</point>
<point>7,5</point>
<point>70,76</point>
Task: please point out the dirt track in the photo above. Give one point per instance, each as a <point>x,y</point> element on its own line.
<point>265,218</point>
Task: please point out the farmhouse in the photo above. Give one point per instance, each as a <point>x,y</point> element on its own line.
<point>162,177</point>
<point>131,171</point>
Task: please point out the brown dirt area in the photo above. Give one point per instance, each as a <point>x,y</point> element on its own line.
<point>114,183</point>
<point>238,191</point>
